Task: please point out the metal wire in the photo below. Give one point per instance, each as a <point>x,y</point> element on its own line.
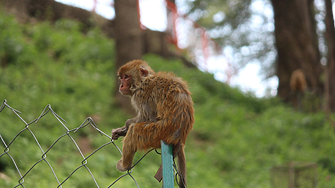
<point>84,162</point>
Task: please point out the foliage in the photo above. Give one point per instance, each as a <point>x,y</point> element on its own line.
<point>236,140</point>
<point>244,28</point>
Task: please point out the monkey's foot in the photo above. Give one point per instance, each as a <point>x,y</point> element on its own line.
<point>120,166</point>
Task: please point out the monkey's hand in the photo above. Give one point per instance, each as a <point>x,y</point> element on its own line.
<point>116,133</point>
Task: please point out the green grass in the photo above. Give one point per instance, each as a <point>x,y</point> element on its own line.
<point>236,139</point>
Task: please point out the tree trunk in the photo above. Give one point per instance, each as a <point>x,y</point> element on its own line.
<point>128,40</point>
<point>330,70</point>
<point>297,45</point>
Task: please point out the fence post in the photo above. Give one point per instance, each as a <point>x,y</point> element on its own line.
<point>167,161</point>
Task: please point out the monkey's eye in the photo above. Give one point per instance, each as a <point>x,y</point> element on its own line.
<point>126,76</point>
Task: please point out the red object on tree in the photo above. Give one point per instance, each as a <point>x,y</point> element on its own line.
<point>173,8</point>
<point>204,45</point>
<point>139,15</point>
<point>95,2</point>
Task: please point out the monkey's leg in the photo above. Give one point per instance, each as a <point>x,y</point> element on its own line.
<point>140,136</point>
<point>129,149</point>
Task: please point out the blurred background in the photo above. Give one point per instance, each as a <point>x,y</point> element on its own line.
<point>262,74</point>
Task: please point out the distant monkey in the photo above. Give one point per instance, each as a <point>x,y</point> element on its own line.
<point>298,81</point>
<point>298,86</point>
<point>164,112</point>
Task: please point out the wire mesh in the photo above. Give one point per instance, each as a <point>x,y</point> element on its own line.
<point>85,160</point>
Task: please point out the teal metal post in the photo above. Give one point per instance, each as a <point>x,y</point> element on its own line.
<point>167,161</point>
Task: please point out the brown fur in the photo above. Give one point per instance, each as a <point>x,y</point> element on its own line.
<point>298,81</point>
<point>298,86</point>
<point>165,112</point>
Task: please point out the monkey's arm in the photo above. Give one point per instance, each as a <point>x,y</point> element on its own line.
<point>122,131</point>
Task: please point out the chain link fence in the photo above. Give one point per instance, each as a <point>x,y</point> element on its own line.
<point>60,181</point>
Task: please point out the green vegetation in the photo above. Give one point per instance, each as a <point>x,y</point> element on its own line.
<point>236,140</point>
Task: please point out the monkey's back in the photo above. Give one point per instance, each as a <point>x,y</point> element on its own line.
<point>169,98</point>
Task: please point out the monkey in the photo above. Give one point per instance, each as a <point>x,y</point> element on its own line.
<point>298,81</point>
<point>164,112</point>
<point>298,86</point>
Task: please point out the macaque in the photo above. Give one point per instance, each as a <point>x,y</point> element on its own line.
<point>298,81</point>
<point>164,112</point>
<point>298,86</point>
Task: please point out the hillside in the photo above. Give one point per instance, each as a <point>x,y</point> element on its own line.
<point>236,140</point>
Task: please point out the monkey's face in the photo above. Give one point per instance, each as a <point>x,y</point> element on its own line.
<point>125,83</point>
<point>131,74</point>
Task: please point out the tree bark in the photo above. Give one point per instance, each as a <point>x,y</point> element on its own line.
<point>128,33</point>
<point>297,45</point>
<point>128,40</point>
<point>330,70</point>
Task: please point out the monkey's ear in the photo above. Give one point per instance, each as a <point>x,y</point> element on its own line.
<point>144,72</point>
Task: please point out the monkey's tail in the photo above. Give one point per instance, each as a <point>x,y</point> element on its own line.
<point>182,168</point>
